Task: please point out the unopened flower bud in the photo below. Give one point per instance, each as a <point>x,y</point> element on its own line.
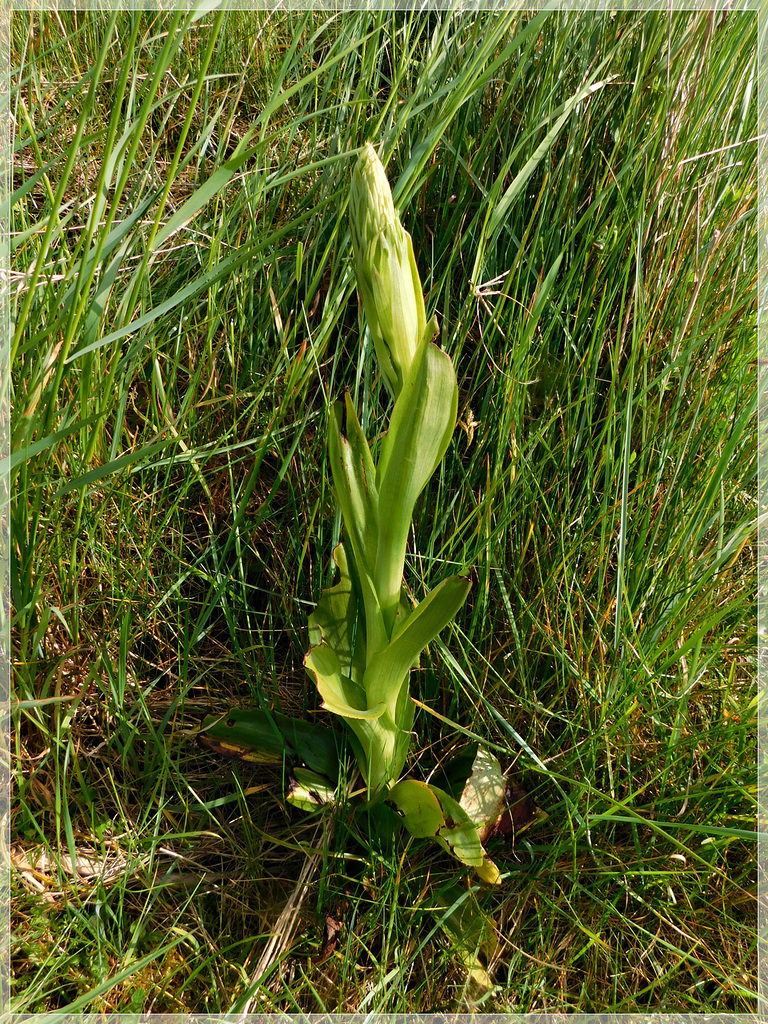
<point>386,272</point>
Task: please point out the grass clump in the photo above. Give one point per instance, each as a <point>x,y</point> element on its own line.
<point>581,190</point>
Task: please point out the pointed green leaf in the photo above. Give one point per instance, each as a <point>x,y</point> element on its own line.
<point>385,675</point>
<point>423,421</point>
<point>354,480</point>
<point>336,620</point>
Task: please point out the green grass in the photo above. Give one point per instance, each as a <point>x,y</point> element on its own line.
<point>184,308</point>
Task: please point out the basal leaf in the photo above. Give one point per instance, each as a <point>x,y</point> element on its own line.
<point>460,837</point>
<point>267,737</point>
<point>429,812</point>
<point>419,807</point>
<point>307,790</point>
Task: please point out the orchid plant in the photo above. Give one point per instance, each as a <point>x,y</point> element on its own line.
<point>366,633</point>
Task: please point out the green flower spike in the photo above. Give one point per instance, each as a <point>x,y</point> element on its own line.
<point>386,272</point>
